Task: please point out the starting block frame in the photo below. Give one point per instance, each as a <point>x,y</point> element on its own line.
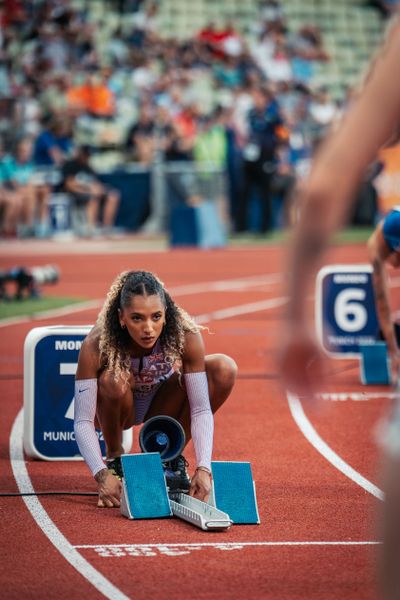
<point>145,495</point>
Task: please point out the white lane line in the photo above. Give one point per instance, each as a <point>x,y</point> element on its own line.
<point>233,544</point>
<point>234,311</point>
<point>46,524</point>
<point>322,447</point>
<point>182,290</point>
<point>356,396</point>
<point>241,283</point>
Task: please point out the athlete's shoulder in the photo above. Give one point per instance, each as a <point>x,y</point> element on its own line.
<point>92,340</point>
<point>392,219</point>
<point>193,342</point>
<point>391,229</point>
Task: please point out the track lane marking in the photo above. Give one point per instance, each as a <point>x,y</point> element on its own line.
<point>235,544</point>
<point>180,549</point>
<point>326,451</point>
<point>51,531</point>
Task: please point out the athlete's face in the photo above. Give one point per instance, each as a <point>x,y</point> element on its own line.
<point>144,319</point>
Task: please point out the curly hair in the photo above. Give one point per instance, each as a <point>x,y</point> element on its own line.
<point>115,342</point>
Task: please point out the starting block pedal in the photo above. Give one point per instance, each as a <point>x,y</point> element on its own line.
<point>375,364</point>
<point>234,491</point>
<point>199,513</point>
<point>144,490</point>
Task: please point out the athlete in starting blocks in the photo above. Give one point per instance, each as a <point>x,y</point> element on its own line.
<point>145,357</point>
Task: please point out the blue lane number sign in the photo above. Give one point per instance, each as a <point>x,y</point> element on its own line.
<point>50,363</point>
<point>345,311</point>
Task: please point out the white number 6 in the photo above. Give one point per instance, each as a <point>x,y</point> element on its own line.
<point>350,314</point>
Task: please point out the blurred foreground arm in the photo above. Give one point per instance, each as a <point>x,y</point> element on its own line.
<point>326,197</point>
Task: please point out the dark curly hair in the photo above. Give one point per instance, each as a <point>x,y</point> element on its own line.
<point>115,342</point>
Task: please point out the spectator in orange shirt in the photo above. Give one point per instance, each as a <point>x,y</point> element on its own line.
<point>93,97</point>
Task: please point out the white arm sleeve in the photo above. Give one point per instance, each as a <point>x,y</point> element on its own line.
<point>202,420</point>
<point>85,433</point>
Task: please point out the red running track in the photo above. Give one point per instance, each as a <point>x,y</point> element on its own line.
<point>318,538</point>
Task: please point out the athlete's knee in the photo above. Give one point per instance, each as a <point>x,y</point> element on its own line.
<point>223,371</point>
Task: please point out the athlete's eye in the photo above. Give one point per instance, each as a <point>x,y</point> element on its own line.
<point>157,316</point>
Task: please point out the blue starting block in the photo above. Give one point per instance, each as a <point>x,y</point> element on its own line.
<point>144,491</point>
<point>375,364</point>
<point>145,495</point>
<point>234,491</point>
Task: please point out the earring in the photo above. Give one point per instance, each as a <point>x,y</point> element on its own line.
<point>123,326</point>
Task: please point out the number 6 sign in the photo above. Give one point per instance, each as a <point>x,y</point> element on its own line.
<point>345,314</point>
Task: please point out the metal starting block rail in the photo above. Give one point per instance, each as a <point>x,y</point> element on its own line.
<point>145,494</point>
<point>198,513</point>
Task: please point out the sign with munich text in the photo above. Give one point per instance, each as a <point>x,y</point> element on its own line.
<point>50,363</point>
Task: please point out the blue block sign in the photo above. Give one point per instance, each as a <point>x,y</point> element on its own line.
<point>50,362</point>
<point>345,313</point>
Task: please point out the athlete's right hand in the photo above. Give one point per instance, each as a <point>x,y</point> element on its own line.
<point>109,488</point>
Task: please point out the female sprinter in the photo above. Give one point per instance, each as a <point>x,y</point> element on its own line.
<point>145,357</point>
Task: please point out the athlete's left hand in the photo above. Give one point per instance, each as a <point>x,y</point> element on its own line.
<point>201,485</point>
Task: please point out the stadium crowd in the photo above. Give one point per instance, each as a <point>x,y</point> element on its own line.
<point>241,102</point>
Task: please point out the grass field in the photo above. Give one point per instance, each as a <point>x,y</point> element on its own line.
<point>31,306</point>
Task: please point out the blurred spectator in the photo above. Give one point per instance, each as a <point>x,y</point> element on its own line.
<point>54,144</point>
<point>259,158</point>
<point>182,135</point>
<point>211,144</point>
<point>271,11</point>
<point>144,26</point>
<point>19,171</point>
<point>307,44</point>
<point>10,200</point>
<point>228,72</point>
<point>54,46</point>
<point>277,66</point>
<point>211,152</point>
<point>140,142</point>
<point>209,37</point>
<point>98,202</point>
<point>144,75</point>
<point>323,109</point>
<point>93,97</point>
<point>27,111</point>
<point>230,41</point>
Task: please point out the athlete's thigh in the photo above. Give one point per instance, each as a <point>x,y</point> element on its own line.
<point>169,399</point>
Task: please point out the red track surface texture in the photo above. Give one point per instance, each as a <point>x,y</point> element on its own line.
<point>316,523</point>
